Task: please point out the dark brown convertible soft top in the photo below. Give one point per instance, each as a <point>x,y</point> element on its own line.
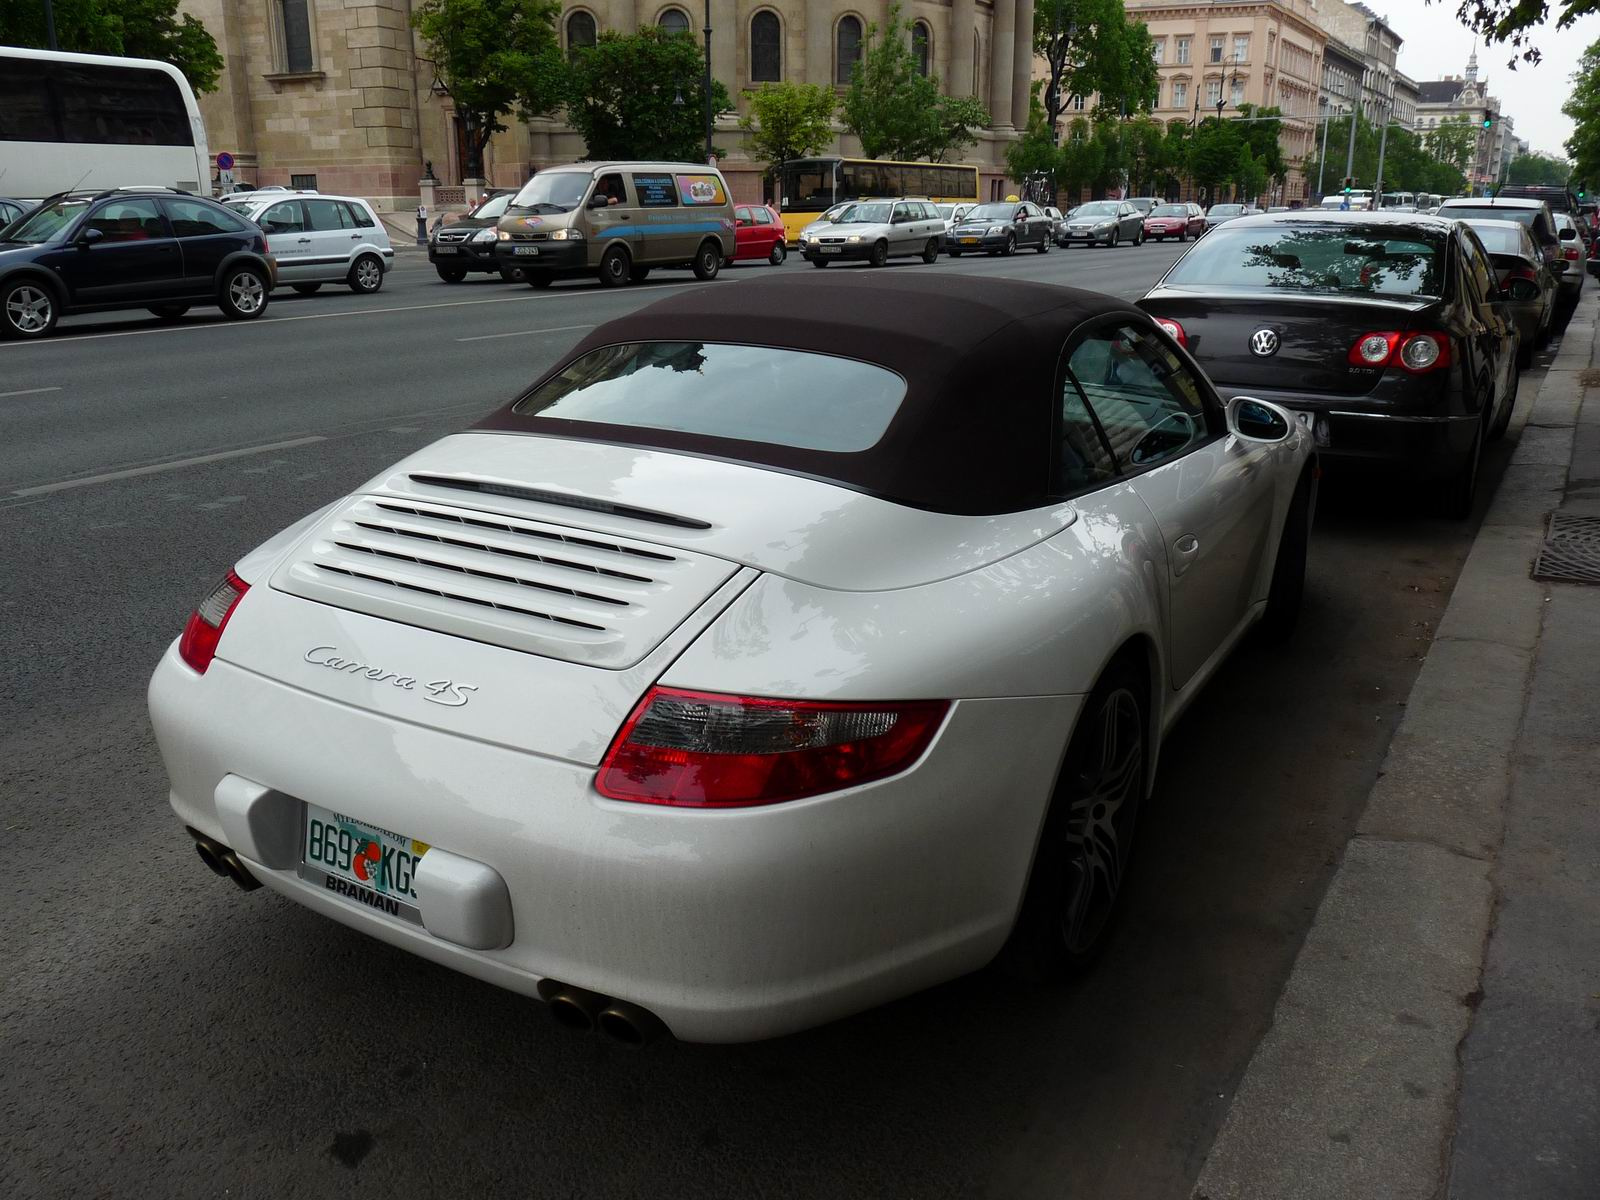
<point>980,358</point>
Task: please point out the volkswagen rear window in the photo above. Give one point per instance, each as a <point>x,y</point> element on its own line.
<point>1376,261</point>
<point>759,394</point>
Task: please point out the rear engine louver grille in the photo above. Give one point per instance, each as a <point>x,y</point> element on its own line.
<point>521,584</point>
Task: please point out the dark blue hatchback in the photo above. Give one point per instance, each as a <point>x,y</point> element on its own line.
<point>152,248</point>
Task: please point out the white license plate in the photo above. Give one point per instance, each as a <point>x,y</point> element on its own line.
<point>828,249</point>
<point>528,251</point>
<point>363,863</point>
<point>447,249</point>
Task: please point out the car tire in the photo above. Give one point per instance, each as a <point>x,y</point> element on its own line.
<point>307,289</point>
<point>955,253</point>
<point>930,252</point>
<point>707,261</point>
<point>28,309</point>
<point>1138,238</point>
<point>538,280</point>
<point>615,268</point>
<point>1071,900</point>
<point>1116,239</point>
<point>1011,245</point>
<point>451,274</point>
<point>1288,587</point>
<point>1502,421</point>
<point>879,255</point>
<point>512,275</point>
<point>1044,246</point>
<point>1461,488</point>
<point>366,275</point>
<point>778,254</point>
<point>639,274</point>
<point>169,312</point>
<point>244,293</point>
<point>1184,236</point>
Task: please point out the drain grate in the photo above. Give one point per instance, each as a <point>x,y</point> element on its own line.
<point>1571,550</point>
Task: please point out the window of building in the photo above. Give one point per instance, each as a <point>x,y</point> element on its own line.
<point>1216,49</point>
<point>1158,49</point>
<point>674,20</point>
<point>1077,103</point>
<point>766,48</point>
<point>1180,93</point>
<point>1213,92</point>
<point>580,32</point>
<point>303,183</point>
<point>846,48</point>
<point>1241,48</point>
<point>1157,101</point>
<point>922,47</point>
<point>1181,47</point>
<point>1236,94</point>
<point>294,29</point>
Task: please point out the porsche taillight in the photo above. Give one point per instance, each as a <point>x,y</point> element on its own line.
<point>711,750</point>
<point>198,646</point>
<point>1417,353</point>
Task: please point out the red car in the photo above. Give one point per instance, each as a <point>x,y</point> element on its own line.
<point>1182,221</point>
<point>758,232</point>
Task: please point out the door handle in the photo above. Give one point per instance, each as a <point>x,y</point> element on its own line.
<point>1187,547</point>
<point>303,241</point>
<point>355,237</point>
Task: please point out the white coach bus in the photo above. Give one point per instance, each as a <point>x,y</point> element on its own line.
<point>79,122</point>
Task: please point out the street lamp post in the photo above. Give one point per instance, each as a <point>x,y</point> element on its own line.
<point>50,24</point>
<point>708,81</point>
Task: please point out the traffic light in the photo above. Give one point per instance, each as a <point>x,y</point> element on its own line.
<point>1488,120</point>
<point>1349,182</point>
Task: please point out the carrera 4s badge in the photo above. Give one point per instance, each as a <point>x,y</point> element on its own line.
<point>438,691</point>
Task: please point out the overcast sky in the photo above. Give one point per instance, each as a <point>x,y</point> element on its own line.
<point>1437,44</point>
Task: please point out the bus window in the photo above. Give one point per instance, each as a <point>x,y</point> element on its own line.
<point>808,186</point>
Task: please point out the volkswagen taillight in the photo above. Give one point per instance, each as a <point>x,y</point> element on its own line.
<point>710,750</point>
<point>1174,330</point>
<point>198,646</point>
<point>1417,353</point>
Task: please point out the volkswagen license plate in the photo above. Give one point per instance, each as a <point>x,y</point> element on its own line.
<point>363,863</point>
<point>530,251</point>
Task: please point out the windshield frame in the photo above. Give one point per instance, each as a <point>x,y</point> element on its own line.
<point>59,233</point>
<point>543,179</point>
<point>1100,208</point>
<point>1168,210</point>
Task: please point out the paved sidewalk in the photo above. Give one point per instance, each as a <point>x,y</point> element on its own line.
<point>1452,975</point>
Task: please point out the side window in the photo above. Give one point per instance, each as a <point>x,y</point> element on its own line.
<point>655,191</point>
<point>611,187</point>
<point>128,221</point>
<point>284,217</point>
<point>761,216</point>
<point>902,212</point>
<point>1083,460</point>
<point>326,215</point>
<point>359,215</point>
<point>190,219</point>
<point>1480,279</point>
<point>1146,401</point>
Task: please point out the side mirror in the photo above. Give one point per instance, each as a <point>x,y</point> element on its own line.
<point>1522,289</point>
<point>1257,421</point>
<point>89,237</point>
<point>598,200</point>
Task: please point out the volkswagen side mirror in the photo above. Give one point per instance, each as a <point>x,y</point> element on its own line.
<point>1257,421</point>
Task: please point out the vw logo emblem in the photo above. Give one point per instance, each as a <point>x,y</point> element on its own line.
<point>1263,343</point>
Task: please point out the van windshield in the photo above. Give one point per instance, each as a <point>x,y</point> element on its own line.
<point>553,191</point>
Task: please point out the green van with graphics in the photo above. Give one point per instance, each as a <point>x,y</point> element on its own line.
<point>617,220</point>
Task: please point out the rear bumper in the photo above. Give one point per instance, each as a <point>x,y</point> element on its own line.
<point>730,925</point>
<point>1354,433</point>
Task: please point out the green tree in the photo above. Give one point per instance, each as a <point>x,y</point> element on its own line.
<point>1143,140</point>
<point>642,95</point>
<point>788,121</point>
<point>955,125</point>
<point>1515,22</point>
<point>1035,152</point>
<point>1090,48</point>
<point>889,104</point>
<point>1583,106</point>
<point>1261,129</point>
<point>135,28</point>
<point>1249,176</point>
<point>1455,142</point>
<point>1537,169</point>
<point>1214,156</point>
<point>495,56</point>
<point>1172,163</point>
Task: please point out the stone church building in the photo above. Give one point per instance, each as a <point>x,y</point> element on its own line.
<point>339,95</point>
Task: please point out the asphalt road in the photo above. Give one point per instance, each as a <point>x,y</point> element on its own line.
<point>163,1034</point>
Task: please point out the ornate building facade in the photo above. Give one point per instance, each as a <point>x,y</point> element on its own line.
<point>1466,98</point>
<point>340,95</point>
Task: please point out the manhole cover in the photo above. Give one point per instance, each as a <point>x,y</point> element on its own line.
<point>1571,551</point>
<point>1589,378</point>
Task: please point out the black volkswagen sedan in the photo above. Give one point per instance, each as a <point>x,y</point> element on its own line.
<point>153,248</point>
<point>1386,333</point>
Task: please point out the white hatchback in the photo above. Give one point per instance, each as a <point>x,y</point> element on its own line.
<point>323,239</point>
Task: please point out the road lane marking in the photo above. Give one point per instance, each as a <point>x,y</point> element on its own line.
<point>28,392</point>
<point>40,489</point>
<point>489,337</point>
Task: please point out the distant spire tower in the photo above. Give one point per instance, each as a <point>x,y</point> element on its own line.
<point>1472,63</point>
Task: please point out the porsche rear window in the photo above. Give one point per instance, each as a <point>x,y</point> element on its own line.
<point>759,394</point>
<point>1380,260</point>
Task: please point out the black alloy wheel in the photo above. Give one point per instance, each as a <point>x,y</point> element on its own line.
<point>879,256</point>
<point>1085,846</point>
<point>169,312</point>
<point>615,267</point>
<point>707,261</point>
<point>307,289</point>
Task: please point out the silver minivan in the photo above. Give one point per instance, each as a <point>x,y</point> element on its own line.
<point>321,239</point>
<point>619,221</point>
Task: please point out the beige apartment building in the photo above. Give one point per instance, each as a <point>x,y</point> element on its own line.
<point>1213,58</point>
<point>339,94</point>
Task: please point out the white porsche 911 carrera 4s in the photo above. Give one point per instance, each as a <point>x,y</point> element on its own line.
<point>785,649</point>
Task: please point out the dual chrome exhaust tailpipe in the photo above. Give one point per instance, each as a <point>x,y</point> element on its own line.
<point>223,861</point>
<point>577,1008</point>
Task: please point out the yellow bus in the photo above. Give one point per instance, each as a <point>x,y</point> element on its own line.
<point>811,186</point>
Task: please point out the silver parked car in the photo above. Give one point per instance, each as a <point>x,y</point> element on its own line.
<point>876,231</point>
<point>1104,223</point>
<point>323,239</point>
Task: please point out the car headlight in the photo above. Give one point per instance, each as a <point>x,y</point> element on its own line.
<point>854,237</point>
<point>566,235</point>
<point>994,231</point>
<point>802,239</point>
<point>484,235</point>
<point>502,235</point>
<point>1102,225</point>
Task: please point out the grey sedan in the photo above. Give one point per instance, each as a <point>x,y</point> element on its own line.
<point>1002,228</point>
<point>1104,223</point>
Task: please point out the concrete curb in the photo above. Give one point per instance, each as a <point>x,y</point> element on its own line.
<point>1352,1091</point>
